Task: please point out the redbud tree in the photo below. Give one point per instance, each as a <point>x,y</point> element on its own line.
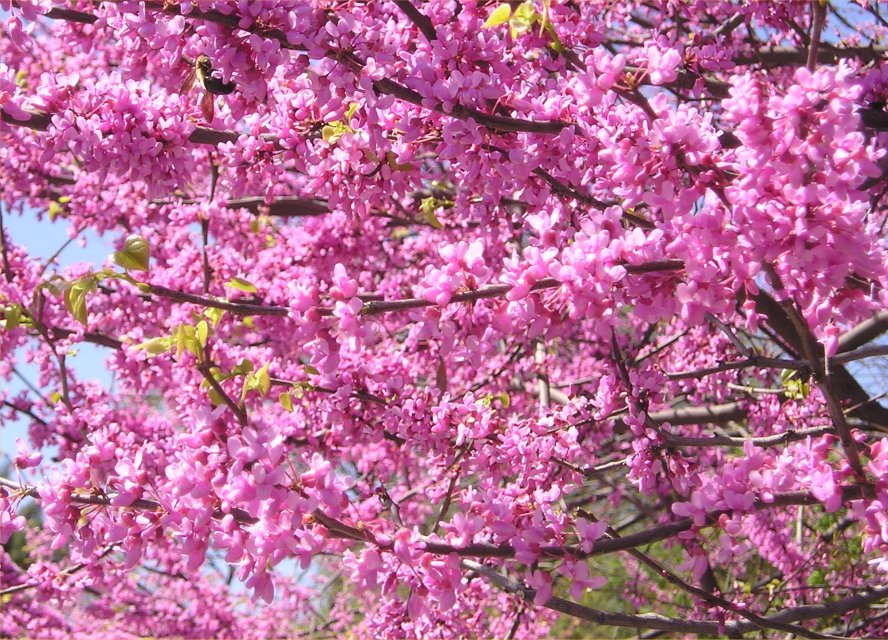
<point>446,319</point>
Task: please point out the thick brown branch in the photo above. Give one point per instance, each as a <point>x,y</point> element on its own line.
<point>813,352</point>
<point>715,413</point>
<point>780,56</point>
<point>818,18</point>
<point>866,331</point>
<point>105,501</point>
<point>843,383</point>
<point>740,609</point>
<point>647,536</point>
<point>384,86</point>
<point>283,207</point>
<point>235,408</point>
<point>680,625</point>
<point>487,550</point>
<point>422,21</point>
<point>93,337</point>
<point>237,308</point>
<point>40,121</point>
<point>763,441</point>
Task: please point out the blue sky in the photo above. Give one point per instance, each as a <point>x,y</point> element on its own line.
<point>43,238</point>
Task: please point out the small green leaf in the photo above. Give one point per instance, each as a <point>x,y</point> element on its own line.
<point>286,401</point>
<point>794,387</point>
<point>75,298</point>
<point>135,256</point>
<point>351,111</point>
<point>156,346</point>
<point>555,45</point>
<point>299,389</point>
<point>244,367</point>
<point>192,344</point>
<point>392,159</point>
<point>215,397</point>
<point>433,221</point>
<point>310,370</point>
<point>258,381</point>
<point>263,382</point>
<point>335,130</point>
<point>202,332</point>
<point>817,578</point>
<point>55,210</point>
<point>504,400</point>
<point>499,16</point>
<point>214,315</point>
<point>186,340</point>
<point>523,19</point>
<point>241,284</point>
<point>428,208</point>
<point>13,315</point>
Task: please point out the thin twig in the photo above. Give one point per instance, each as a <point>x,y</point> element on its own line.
<point>238,410</point>
<point>818,19</point>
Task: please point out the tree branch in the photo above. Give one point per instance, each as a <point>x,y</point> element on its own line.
<point>781,56</point>
<point>765,441</point>
<point>680,625</point>
<point>422,21</point>
<point>385,85</point>
<point>864,332</point>
<point>818,18</point>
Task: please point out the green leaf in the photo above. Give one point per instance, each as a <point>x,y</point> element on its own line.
<point>135,256</point>
<point>263,382</point>
<point>186,340</point>
<point>286,401</point>
<point>523,19</point>
<point>215,397</point>
<point>499,16</point>
<point>156,346</point>
<point>793,386</point>
<point>258,381</point>
<point>202,332</point>
<point>817,578</point>
<point>241,284</point>
<point>335,130</point>
<point>796,389</point>
<point>428,208</point>
<point>214,315</point>
<point>299,389</point>
<point>392,159</point>
<point>432,220</point>
<point>55,210</point>
<point>310,370</point>
<point>244,367</point>
<point>351,111</point>
<point>13,316</point>
<point>75,298</point>
<point>555,45</point>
